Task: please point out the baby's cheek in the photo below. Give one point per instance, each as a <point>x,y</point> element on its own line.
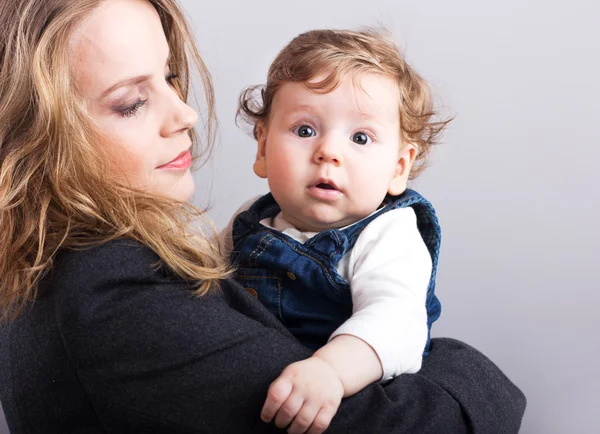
<point>369,197</point>
<point>280,177</point>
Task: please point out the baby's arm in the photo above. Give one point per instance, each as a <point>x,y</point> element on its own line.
<point>390,269</point>
<point>355,363</point>
<point>308,393</point>
<point>386,335</point>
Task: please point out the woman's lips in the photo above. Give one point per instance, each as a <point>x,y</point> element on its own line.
<point>182,162</point>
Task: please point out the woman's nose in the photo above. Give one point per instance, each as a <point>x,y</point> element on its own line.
<point>181,117</point>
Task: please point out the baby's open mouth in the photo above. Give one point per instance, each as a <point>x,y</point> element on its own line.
<point>326,186</point>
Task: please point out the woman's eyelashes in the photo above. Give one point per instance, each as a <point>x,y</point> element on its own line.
<point>171,78</point>
<point>130,110</point>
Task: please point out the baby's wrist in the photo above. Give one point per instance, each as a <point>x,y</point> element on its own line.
<point>334,371</point>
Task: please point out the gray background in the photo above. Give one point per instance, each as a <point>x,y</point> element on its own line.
<point>514,182</point>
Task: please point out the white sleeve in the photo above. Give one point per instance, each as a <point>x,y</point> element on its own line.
<point>390,269</point>
<point>226,234</point>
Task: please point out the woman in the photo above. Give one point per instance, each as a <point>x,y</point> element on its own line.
<point>117,317</point>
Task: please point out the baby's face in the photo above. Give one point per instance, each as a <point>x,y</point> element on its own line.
<point>330,158</point>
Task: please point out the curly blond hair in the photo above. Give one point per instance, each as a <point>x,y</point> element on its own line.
<point>339,53</point>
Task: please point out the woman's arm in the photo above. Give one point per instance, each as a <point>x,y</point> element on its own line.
<point>154,358</point>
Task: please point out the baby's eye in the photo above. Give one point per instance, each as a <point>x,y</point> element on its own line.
<point>304,131</point>
<point>360,138</point>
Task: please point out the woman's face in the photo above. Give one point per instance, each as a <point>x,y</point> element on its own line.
<point>120,56</point>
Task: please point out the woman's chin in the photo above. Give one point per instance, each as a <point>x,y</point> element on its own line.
<point>182,188</point>
<point>186,187</point>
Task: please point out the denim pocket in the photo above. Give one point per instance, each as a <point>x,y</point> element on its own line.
<point>264,285</point>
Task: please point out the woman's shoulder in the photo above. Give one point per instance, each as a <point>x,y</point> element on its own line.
<point>104,273</point>
<point>109,257</point>
<point>120,284</point>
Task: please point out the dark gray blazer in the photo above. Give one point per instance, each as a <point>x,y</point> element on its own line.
<point>115,347</point>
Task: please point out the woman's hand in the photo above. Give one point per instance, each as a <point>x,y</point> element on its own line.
<point>304,397</point>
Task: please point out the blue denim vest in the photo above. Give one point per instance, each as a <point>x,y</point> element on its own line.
<point>299,282</point>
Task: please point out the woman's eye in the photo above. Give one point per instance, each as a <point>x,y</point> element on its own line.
<point>128,112</point>
<point>304,131</point>
<point>361,138</point>
<point>171,78</point>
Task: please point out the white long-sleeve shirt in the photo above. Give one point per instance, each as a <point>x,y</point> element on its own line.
<point>388,271</point>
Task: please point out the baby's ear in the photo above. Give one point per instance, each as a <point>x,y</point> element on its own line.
<point>260,164</point>
<point>407,156</point>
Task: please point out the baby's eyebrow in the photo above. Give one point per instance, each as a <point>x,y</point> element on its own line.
<point>302,107</point>
<point>300,110</point>
<point>377,115</point>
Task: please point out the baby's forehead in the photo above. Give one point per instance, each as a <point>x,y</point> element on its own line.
<point>369,97</point>
<point>330,77</point>
<point>366,87</point>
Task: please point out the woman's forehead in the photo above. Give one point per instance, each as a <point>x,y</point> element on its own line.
<point>120,39</point>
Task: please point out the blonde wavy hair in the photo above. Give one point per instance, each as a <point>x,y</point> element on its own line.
<point>338,54</point>
<point>53,190</point>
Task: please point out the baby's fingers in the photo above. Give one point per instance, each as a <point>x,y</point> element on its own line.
<point>322,420</point>
<point>289,410</point>
<point>278,393</point>
<point>303,419</point>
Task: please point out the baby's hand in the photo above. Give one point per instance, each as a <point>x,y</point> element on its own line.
<point>306,395</point>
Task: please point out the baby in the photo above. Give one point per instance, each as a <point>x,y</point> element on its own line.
<point>340,250</point>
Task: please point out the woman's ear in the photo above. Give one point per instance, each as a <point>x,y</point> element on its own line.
<point>260,164</point>
<point>407,156</point>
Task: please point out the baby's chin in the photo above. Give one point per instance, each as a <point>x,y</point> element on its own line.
<point>321,220</point>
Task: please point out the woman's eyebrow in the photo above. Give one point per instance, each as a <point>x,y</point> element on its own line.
<point>126,82</point>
